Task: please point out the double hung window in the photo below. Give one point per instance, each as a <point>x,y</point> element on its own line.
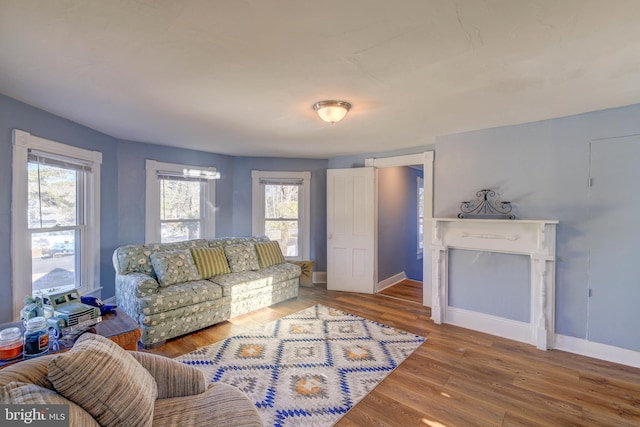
<point>180,202</point>
<point>281,210</point>
<point>55,232</point>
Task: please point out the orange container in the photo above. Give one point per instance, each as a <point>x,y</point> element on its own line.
<point>11,344</point>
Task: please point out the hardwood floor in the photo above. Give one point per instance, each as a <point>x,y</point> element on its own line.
<point>408,290</point>
<point>460,377</point>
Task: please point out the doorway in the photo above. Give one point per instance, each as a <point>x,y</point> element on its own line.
<point>400,227</point>
<point>423,161</point>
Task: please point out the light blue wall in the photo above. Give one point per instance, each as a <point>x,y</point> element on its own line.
<point>123,188</point>
<point>542,168</point>
<point>506,283</point>
<point>16,115</point>
<point>242,198</point>
<point>397,223</point>
<point>131,161</point>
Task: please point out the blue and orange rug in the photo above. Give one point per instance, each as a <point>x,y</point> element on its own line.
<point>309,368</point>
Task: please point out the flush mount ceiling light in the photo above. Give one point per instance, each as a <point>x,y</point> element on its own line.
<point>332,111</point>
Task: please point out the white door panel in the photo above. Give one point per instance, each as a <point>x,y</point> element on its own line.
<point>351,213</point>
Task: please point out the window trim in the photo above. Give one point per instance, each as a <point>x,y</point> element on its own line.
<point>90,243</point>
<point>304,206</point>
<point>152,199</point>
<point>420,185</point>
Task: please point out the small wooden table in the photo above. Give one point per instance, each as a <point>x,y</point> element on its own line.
<point>121,329</point>
<point>118,327</point>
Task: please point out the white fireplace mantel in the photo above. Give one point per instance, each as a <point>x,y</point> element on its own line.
<point>537,239</point>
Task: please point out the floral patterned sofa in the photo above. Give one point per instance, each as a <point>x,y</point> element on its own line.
<point>172,289</point>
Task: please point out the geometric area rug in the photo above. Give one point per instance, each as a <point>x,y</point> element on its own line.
<point>309,368</point>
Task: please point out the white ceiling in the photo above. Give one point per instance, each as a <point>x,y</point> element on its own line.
<point>239,76</point>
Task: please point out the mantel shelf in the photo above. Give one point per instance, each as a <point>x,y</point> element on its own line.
<point>507,221</point>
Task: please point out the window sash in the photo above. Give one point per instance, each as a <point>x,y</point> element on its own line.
<point>159,171</point>
<point>259,218</point>
<point>26,147</point>
<point>64,162</point>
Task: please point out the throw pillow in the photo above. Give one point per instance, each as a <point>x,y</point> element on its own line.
<point>18,393</point>
<point>105,381</point>
<point>242,257</point>
<point>269,254</point>
<point>210,261</point>
<point>306,272</point>
<point>175,266</point>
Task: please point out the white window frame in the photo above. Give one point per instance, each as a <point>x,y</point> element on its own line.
<point>152,203</point>
<point>304,207</point>
<point>21,283</point>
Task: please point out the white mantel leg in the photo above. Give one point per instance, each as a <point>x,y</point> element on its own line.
<point>542,335</point>
<point>437,287</point>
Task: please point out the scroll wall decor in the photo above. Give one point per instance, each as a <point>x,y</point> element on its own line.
<point>486,207</point>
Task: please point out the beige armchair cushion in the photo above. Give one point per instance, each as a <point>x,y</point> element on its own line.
<point>105,381</point>
<point>174,379</point>
<point>31,394</point>
<point>221,405</point>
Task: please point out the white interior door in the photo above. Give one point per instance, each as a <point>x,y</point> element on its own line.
<point>351,213</point>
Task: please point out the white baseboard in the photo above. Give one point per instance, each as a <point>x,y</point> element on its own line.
<point>110,300</point>
<point>390,281</point>
<point>597,350</point>
<point>507,328</point>
<point>520,331</point>
<point>319,277</point>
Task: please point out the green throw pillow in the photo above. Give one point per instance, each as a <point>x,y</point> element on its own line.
<point>173,267</point>
<point>269,253</point>
<point>242,257</point>
<point>210,261</point>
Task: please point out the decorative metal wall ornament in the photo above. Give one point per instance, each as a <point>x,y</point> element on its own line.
<point>486,207</point>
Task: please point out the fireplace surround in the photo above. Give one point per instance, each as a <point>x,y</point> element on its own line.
<point>536,239</point>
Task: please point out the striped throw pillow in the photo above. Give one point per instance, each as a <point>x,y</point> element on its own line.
<point>269,253</point>
<point>210,261</point>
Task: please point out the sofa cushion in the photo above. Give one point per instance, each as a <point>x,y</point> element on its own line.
<point>105,381</point>
<point>179,295</point>
<point>221,242</point>
<point>17,393</point>
<point>242,257</point>
<point>136,258</point>
<point>210,261</point>
<point>237,283</point>
<point>269,253</point>
<point>175,266</point>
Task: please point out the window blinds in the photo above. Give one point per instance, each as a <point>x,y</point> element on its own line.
<point>64,162</point>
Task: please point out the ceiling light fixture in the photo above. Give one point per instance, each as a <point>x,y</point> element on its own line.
<point>332,111</point>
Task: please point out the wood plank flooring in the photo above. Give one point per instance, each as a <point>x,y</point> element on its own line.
<point>408,290</point>
<point>460,377</point>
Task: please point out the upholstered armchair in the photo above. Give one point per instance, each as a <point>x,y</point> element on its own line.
<point>105,385</point>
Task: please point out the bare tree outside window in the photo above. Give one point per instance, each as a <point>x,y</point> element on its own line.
<point>54,202</point>
<point>282,222</point>
<point>180,209</point>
